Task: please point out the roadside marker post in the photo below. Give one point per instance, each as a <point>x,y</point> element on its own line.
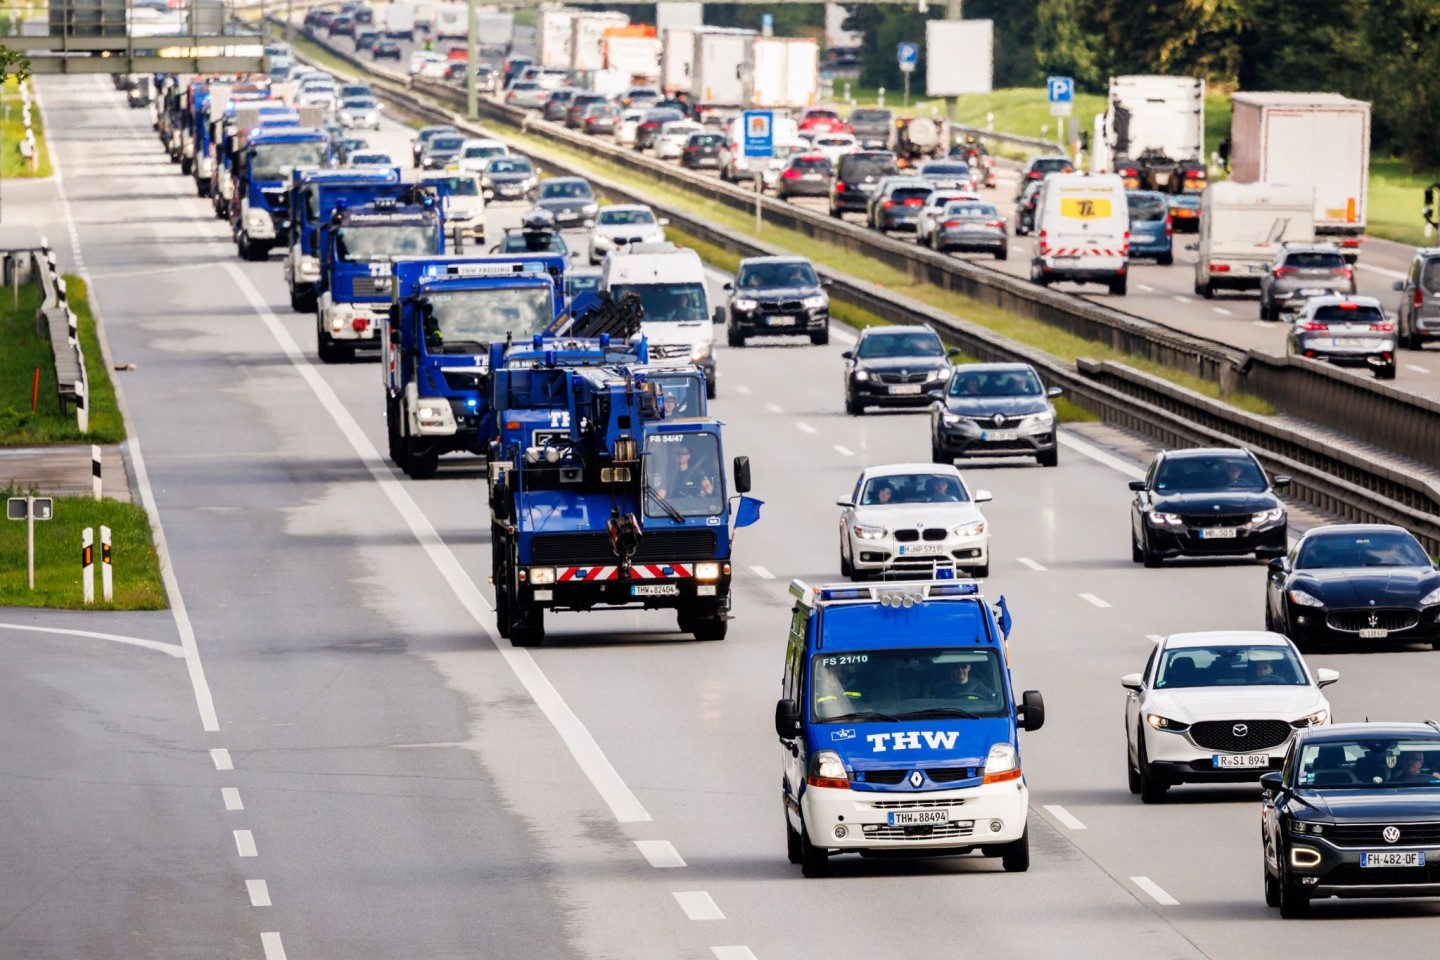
<point>107,586</point>
<point>87,564</point>
<point>95,467</point>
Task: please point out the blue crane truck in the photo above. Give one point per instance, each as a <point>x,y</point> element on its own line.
<point>356,246</point>
<point>435,349</point>
<point>312,198</point>
<point>598,498</point>
<point>262,165</point>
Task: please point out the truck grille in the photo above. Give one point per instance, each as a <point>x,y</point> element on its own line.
<point>274,199</point>
<point>1372,835</point>
<point>1353,621</point>
<point>951,774</point>
<point>1258,735</point>
<point>655,547</point>
<point>371,286</point>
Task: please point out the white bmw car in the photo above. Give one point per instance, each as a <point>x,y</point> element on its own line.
<point>619,225</point>
<point>903,518</point>
<point>1217,707</point>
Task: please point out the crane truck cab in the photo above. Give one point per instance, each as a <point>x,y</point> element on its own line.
<point>678,322</point>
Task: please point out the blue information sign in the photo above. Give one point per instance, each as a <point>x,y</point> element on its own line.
<point>907,55</point>
<point>1061,89</point>
<point>759,133</point>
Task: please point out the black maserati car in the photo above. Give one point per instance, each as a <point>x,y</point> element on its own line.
<point>1352,582</point>
<point>1206,502</point>
<point>1354,812</point>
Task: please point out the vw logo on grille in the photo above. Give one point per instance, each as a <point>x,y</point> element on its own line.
<point>1241,729</point>
<point>916,780</point>
<point>1391,834</point>
<point>999,419</point>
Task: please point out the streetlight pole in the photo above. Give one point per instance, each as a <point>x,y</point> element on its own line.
<point>472,60</point>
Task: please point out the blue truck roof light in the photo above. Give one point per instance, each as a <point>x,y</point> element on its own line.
<point>537,341</point>
<point>845,593</point>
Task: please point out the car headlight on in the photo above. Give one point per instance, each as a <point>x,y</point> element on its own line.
<point>542,576</point>
<point>486,182</point>
<point>1001,763</point>
<point>744,304</point>
<point>707,570</point>
<point>972,529</point>
<point>591,207</point>
<point>870,533</point>
<point>941,373</point>
<point>1302,599</point>
<point>1431,598</point>
<point>818,302</point>
<point>701,351</point>
<point>862,375</point>
<point>953,419</point>
<point>1165,519</point>
<point>828,770</point>
<point>1314,720</point>
<point>1165,723</point>
<point>1268,516</point>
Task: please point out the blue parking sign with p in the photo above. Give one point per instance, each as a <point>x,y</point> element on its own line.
<point>1061,89</point>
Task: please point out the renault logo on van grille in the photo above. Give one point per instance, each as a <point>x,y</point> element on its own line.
<point>916,779</point>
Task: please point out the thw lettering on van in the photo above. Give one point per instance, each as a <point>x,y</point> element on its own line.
<point>911,740</point>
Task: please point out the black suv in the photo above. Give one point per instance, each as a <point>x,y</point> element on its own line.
<point>1301,271</point>
<point>778,295</point>
<point>1355,811</point>
<point>1041,167</point>
<point>995,410</point>
<point>895,366</point>
<point>856,177</point>
<point>873,128</point>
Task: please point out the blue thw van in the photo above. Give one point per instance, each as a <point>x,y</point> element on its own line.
<point>899,724</point>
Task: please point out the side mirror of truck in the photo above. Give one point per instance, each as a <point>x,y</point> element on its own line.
<point>394,335</point>
<point>664,221</point>
<point>787,719</point>
<point>1032,710</point>
<point>718,316</point>
<point>742,474</point>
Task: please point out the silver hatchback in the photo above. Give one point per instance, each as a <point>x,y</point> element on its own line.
<point>1347,332</point>
<point>1419,313</point>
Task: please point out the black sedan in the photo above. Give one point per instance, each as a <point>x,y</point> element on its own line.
<point>895,367</point>
<point>385,49</point>
<point>702,150</point>
<point>1351,582</point>
<point>508,178</point>
<point>1206,503</point>
<point>441,150</point>
<point>995,410</point>
<point>423,138</point>
<point>1354,813</point>
<point>778,295</point>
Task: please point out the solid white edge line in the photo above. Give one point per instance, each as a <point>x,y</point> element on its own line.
<point>1411,366</point>
<point>1033,565</point>
<point>274,949</point>
<point>732,953</point>
<point>847,339</point>
<point>1384,272</point>
<point>741,388</point>
<point>581,744</point>
<point>660,854</point>
<point>698,905</point>
<point>245,844</point>
<point>762,573</point>
<point>259,892</point>
<point>1090,598</point>
<point>231,797</point>
<point>1222,311</point>
<point>166,648</point>
<point>221,758</point>
<point>1131,470</point>
<point>1064,816</point>
<point>1155,892</point>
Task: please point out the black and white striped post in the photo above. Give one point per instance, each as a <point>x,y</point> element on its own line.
<point>107,590</point>
<point>87,563</point>
<point>95,470</point>
<point>82,415</point>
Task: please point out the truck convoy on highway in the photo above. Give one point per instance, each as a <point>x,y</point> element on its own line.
<point>262,164</point>
<point>1316,140</point>
<point>1153,133</point>
<point>313,196</point>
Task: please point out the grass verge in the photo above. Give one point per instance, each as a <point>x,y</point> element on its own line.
<point>12,131</point>
<point>135,564</point>
<point>1396,196</point>
<point>25,352</point>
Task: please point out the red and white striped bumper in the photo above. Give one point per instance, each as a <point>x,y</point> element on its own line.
<point>640,571</point>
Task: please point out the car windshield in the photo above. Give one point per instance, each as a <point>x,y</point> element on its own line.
<point>376,242</point>
<point>1310,260</point>
<point>812,164</point>
<point>904,194</point>
<point>1053,165</point>
<point>1237,665</point>
<point>857,167</point>
<point>430,132</point>
<point>757,276</point>
<point>662,116</point>
<point>1189,474</point>
<point>576,283</point>
<point>457,186</point>
<point>891,685</point>
<point>683,394</point>
<point>467,321</point>
<point>1372,548</point>
<point>565,190</point>
<point>706,140</point>
<point>446,144</point>
<point>901,488</point>
<point>371,160</point>
<point>481,152</point>
<point>1430,275</point>
<point>945,170</point>
<point>870,116</point>
<point>1145,208</point>
<point>625,218</point>
<point>360,103</point>
<point>995,383</point>
<point>508,165</point>
<point>1349,313</point>
<point>667,302</point>
<point>881,345</point>
<point>1369,762</point>
<point>682,473</point>
<point>543,242</point>
<point>971,210</point>
<point>274,161</point>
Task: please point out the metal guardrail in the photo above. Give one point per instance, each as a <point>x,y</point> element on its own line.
<point>55,317</point>
<point>1029,143</point>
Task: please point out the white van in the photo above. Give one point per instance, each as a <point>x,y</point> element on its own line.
<point>1242,227</point>
<point>1082,231</point>
<point>678,322</point>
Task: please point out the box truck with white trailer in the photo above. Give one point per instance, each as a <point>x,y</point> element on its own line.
<point>1242,228</point>
<point>587,39</point>
<point>1153,133</point>
<point>555,33</point>
<point>677,58</point>
<point>785,73</point>
<point>450,21</point>
<point>720,69</point>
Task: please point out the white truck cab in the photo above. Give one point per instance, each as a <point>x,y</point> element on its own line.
<point>464,202</point>
<point>1243,226</point>
<point>679,322</point>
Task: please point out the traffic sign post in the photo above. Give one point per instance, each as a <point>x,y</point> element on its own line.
<point>759,145</point>
<point>1061,93</point>
<point>30,509</point>
<point>907,55</point>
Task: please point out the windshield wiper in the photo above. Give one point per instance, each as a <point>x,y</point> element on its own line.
<point>665,505</point>
<point>862,715</point>
<point>940,712</point>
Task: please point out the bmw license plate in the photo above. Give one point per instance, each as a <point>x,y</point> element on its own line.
<point>1218,533</point>
<point>996,435</point>
<point>921,549</point>
<point>779,321</point>
<point>1240,761</point>
<point>1390,858</point>
<point>918,818</point>
<point>905,390</point>
<point>655,590</point>
<point>1373,633</point>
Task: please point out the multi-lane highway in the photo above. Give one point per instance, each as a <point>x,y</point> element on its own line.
<point>323,751</point>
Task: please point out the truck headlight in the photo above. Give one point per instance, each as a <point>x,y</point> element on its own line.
<point>1002,763</point>
<point>709,570</point>
<point>828,770</point>
<point>310,268</point>
<point>432,409</point>
<point>870,533</point>
<point>743,304</point>
<point>257,219</point>
<point>701,352</point>
<point>817,302</point>
<point>540,576</point>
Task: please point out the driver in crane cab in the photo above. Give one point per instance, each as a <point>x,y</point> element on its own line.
<point>686,479</point>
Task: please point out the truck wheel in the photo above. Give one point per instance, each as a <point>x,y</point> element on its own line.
<point>396,443</point>
<point>1016,858</point>
<point>711,628</point>
<point>527,626</point>
<point>326,348</point>
<point>302,302</point>
<point>734,337</point>
<point>202,188</point>
<point>814,862</point>
<point>420,466</point>
<point>1206,290</point>
<point>1117,286</point>
<point>185,164</point>
<point>685,618</point>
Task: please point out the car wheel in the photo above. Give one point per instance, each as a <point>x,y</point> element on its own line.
<point>1152,788</point>
<point>735,338</point>
<point>1386,372</point>
<point>847,569</point>
<point>1206,290</point>
<point>1166,259</point>
<point>1049,458</point>
<point>1016,855</point>
<point>1131,774</point>
<point>1272,889</point>
<point>1117,286</point>
<point>853,407</point>
<point>980,572</point>
<point>814,862</point>
<point>820,337</point>
<point>1003,253</point>
<point>710,387</point>
<point>1150,560</point>
<point>1136,554</point>
<point>1294,901</point>
<point>792,842</point>
<point>938,455</point>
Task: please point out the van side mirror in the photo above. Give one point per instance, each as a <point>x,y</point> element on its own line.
<point>787,719</point>
<point>1054,392</point>
<point>718,316</point>
<point>1032,710</point>
<point>1398,285</point>
<point>742,474</point>
<point>1325,676</point>
<point>1137,485</point>
<point>1133,681</point>
<point>1280,482</point>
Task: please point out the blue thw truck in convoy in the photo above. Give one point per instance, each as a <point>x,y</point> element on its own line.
<point>898,723</point>
<point>262,165</point>
<point>312,199</point>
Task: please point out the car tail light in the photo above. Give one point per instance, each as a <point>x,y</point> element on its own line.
<point>1283,272</point>
<point>951,223</point>
<point>1351,242</point>
<point>791,174</point>
<point>1348,273</point>
<point>1219,268</point>
<point>1419,298</point>
<point>1385,327</point>
<point>1034,175</point>
<point>1348,306</point>
<point>1169,226</point>
<point>1312,325</point>
<point>1044,244</point>
<point>913,202</point>
<point>888,204</point>
<point>839,186</point>
<point>994,223</point>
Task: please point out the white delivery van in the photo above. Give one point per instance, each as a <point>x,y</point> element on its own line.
<point>1242,226</point>
<point>1082,231</point>
<point>670,282</point>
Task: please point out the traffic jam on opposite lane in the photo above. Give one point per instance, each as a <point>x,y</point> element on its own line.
<point>609,483</point>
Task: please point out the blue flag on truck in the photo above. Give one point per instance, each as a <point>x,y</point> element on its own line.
<point>1004,618</point>
<point>748,511</point>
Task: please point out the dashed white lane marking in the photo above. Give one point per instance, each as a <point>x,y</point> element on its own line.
<point>1094,600</point>
<point>1037,567</point>
<point>1144,288</point>
<point>1132,470</point>
<point>1411,366</point>
<point>274,949</point>
<point>732,953</point>
<point>698,905</point>
<point>1156,893</point>
<point>1222,311</point>
<point>221,758</point>
<point>1180,298</point>
<point>1064,816</point>
<point>1396,274</point>
<point>170,648</point>
<point>742,389</point>
<point>259,892</point>
<point>660,853</point>
<point>804,428</point>
<point>1153,637</point>
<point>231,796</point>
<point>245,843</point>
<point>844,451</point>
<point>762,573</point>
<point>1262,323</point>
<point>773,408</point>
